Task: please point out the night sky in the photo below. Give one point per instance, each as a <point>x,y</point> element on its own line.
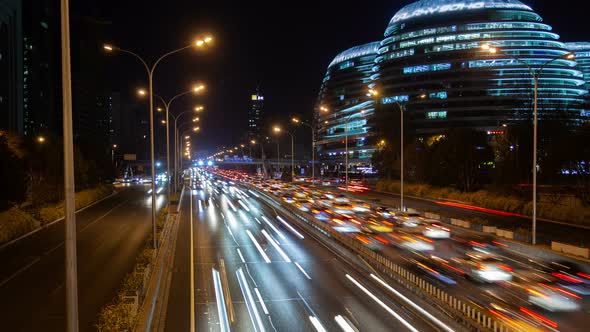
<point>283,47</point>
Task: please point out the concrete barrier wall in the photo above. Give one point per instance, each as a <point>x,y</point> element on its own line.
<point>569,249</point>
<point>505,233</point>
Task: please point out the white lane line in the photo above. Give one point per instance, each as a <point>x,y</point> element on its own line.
<point>344,324</point>
<point>200,206</point>
<point>290,227</point>
<point>231,205</point>
<point>273,227</point>
<point>258,221</point>
<point>241,256</point>
<point>414,305</point>
<point>250,304</point>
<point>243,205</point>
<point>253,193</point>
<point>316,323</point>
<point>220,299</point>
<point>12,276</point>
<point>266,259</point>
<point>302,271</point>
<point>276,246</point>
<point>261,301</point>
<point>383,305</point>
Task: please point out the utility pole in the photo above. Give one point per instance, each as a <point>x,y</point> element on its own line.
<point>69,184</point>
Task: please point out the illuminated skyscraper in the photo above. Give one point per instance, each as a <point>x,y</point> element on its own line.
<point>254,115</point>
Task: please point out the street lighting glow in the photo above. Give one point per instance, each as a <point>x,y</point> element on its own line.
<point>141,92</point>
<point>295,120</point>
<point>163,121</point>
<point>570,56</point>
<point>253,141</point>
<point>159,109</point>
<point>196,120</point>
<point>323,109</point>
<point>198,88</point>
<point>114,146</point>
<point>107,47</point>
<point>208,39</point>
<point>198,108</point>
<point>196,129</point>
<point>200,43</point>
<point>186,137</point>
<point>41,139</point>
<point>373,92</point>
<point>485,47</point>
<point>276,129</point>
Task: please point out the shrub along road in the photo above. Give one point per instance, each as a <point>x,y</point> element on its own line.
<point>110,236</point>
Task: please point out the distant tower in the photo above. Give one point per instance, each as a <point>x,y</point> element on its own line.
<point>254,115</point>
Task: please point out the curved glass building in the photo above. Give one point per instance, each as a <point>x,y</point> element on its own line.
<point>343,95</point>
<point>432,48</point>
<point>582,52</point>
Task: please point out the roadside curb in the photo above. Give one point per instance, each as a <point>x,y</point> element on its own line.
<point>11,242</point>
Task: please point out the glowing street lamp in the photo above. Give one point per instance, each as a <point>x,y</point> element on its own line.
<point>535,73</point>
<point>278,130</point>
<point>41,139</point>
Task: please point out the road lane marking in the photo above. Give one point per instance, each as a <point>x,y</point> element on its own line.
<point>316,323</point>
<point>243,205</point>
<point>250,304</point>
<point>241,257</point>
<point>414,305</point>
<point>220,299</point>
<point>192,268</point>
<point>290,227</point>
<point>22,269</point>
<point>344,325</point>
<point>302,271</point>
<point>273,227</point>
<point>383,305</point>
<point>261,301</point>
<point>276,246</point>
<point>262,253</point>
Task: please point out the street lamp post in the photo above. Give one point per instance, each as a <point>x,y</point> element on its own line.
<point>167,104</point>
<point>150,72</point>
<point>176,142</point>
<point>535,73</point>
<point>295,120</point>
<point>278,130</point>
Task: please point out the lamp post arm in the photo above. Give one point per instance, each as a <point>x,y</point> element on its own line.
<point>166,55</point>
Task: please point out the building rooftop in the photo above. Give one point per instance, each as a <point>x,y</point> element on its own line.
<point>355,52</point>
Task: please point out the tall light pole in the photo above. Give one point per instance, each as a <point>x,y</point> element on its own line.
<point>176,141</point>
<point>150,72</point>
<point>167,104</point>
<point>535,73</point>
<point>297,121</point>
<point>278,129</point>
<point>69,185</point>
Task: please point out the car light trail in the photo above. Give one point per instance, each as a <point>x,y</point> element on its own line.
<point>383,305</point>
<point>253,193</point>
<point>221,309</point>
<point>480,209</point>
<point>290,227</point>
<point>149,191</point>
<point>159,190</point>
<point>250,304</point>
<point>414,305</point>
<point>266,259</point>
<point>276,246</point>
<point>258,221</point>
<point>316,323</point>
<point>273,227</point>
<point>302,271</point>
<point>200,206</point>
<point>261,300</point>
<point>244,205</point>
<point>241,256</point>
<point>344,324</point>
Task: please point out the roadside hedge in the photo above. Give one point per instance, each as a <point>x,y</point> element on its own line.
<point>14,223</point>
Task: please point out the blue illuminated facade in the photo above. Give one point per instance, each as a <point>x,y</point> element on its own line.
<point>432,48</point>
<point>431,60</point>
<point>343,93</point>
<point>582,52</point>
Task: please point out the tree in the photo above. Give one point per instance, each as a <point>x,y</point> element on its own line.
<point>14,178</point>
<point>459,158</point>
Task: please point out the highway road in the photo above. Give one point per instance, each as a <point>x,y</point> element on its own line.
<point>546,231</point>
<point>110,235</point>
<point>273,275</point>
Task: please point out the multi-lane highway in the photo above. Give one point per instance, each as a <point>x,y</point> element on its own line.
<point>253,270</point>
<point>110,235</point>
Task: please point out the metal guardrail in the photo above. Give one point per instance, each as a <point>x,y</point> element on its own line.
<point>472,317</point>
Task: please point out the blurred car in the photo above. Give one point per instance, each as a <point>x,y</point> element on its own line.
<point>570,276</point>
<point>341,199</point>
<point>361,206</point>
<point>414,243</point>
<point>342,208</point>
<point>409,219</point>
<point>385,212</point>
<point>485,267</point>
<point>553,298</point>
<point>436,230</point>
